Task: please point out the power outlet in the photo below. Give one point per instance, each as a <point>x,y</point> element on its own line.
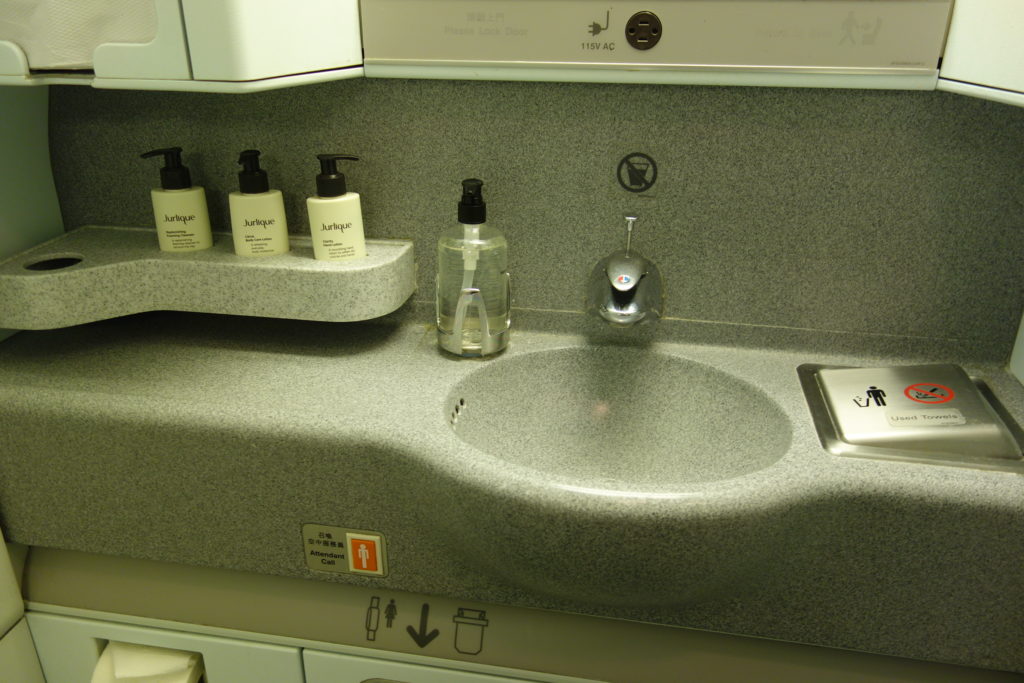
<point>643,30</point>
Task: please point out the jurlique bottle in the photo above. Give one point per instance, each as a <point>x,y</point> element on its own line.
<point>258,223</point>
<point>335,214</point>
<point>473,297</point>
<point>179,208</point>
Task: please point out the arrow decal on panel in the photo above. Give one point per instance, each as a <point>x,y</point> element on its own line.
<point>422,637</point>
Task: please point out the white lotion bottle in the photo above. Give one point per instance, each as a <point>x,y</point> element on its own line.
<point>179,208</point>
<point>335,214</point>
<point>258,223</point>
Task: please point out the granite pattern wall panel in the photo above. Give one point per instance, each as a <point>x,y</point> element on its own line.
<point>896,213</point>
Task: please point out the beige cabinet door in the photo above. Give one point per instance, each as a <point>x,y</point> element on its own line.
<point>984,51</point>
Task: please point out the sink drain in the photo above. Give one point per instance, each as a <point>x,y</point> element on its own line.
<point>460,405</point>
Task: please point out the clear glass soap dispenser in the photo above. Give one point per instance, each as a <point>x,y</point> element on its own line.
<point>473,295</point>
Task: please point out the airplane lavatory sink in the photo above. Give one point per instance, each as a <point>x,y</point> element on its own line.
<point>621,419</point>
<point>617,474</point>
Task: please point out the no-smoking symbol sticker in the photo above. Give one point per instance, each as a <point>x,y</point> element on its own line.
<point>929,393</point>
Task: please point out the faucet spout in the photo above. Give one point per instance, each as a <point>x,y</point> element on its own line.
<point>624,287</point>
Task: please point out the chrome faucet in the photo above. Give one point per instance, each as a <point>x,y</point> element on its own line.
<point>625,288</point>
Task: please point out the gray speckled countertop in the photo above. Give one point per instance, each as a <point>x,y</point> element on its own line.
<point>211,440</point>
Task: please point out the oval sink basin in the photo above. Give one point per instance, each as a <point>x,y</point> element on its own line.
<point>618,419</point>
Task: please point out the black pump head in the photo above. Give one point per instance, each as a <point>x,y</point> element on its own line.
<point>252,179</point>
<point>329,182</point>
<point>173,176</point>
<point>472,209</point>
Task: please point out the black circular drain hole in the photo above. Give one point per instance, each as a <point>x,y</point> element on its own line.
<point>54,263</point>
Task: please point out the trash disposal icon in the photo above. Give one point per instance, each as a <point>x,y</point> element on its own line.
<point>469,630</point>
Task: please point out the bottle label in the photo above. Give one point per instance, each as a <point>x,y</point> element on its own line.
<point>337,229</point>
<point>260,235</point>
<point>340,248</point>
<point>336,250</point>
<point>180,239</point>
<point>182,223</point>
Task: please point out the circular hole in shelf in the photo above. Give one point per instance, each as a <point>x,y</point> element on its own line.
<point>54,262</point>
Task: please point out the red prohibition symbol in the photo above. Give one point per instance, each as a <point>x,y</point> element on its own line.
<point>929,393</point>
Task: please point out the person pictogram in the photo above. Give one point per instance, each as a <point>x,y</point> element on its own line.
<point>877,395</point>
<point>364,555</point>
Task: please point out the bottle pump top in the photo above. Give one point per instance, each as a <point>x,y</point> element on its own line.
<point>252,179</point>
<point>173,176</point>
<point>329,182</point>
<point>472,209</point>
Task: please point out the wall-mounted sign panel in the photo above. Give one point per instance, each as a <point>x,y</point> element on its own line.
<point>855,43</point>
